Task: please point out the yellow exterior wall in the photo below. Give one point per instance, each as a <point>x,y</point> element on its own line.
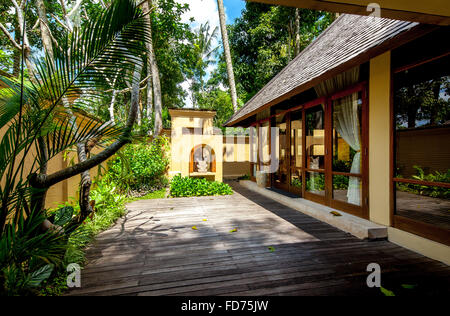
<point>379,139</point>
<point>182,143</point>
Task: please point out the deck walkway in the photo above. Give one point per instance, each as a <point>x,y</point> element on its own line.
<point>275,250</point>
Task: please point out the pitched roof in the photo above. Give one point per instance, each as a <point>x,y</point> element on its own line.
<point>345,39</point>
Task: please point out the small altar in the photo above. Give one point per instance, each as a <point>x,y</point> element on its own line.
<point>196,145</point>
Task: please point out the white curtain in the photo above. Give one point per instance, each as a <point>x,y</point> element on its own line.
<point>347,123</point>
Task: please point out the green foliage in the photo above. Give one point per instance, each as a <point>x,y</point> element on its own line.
<point>262,43</point>
<point>141,166</point>
<point>316,182</point>
<point>340,182</point>
<point>63,215</point>
<point>27,257</point>
<point>437,192</point>
<point>219,101</point>
<point>297,183</point>
<point>185,187</point>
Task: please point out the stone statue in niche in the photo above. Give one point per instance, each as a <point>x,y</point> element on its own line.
<point>202,160</point>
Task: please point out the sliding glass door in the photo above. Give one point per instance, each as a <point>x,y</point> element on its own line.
<point>348,141</point>
<point>281,175</point>
<point>322,151</point>
<point>315,153</point>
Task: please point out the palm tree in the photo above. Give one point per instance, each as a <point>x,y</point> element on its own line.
<point>37,124</point>
<point>204,52</point>
<point>226,48</point>
<point>153,69</point>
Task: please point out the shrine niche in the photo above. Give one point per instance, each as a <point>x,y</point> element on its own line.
<point>196,145</point>
<point>202,160</point>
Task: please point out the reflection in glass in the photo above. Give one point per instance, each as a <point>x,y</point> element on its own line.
<point>422,137</point>
<point>296,139</point>
<point>341,189</point>
<point>424,203</point>
<point>315,183</point>
<point>315,138</point>
<point>281,175</point>
<point>296,179</point>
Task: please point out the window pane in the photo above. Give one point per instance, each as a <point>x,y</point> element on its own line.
<point>422,117</point>
<point>347,189</point>
<point>253,144</point>
<point>315,138</point>
<point>296,179</point>
<point>315,183</point>
<point>422,138</point>
<point>281,175</point>
<point>264,155</point>
<point>296,139</point>
<point>347,134</point>
<point>424,203</point>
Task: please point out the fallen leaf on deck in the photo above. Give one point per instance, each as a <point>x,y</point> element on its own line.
<point>336,213</point>
<point>194,227</point>
<point>233,230</point>
<point>409,286</point>
<point>205,220</point>
<point>271,249</point>
<point>386,292</point>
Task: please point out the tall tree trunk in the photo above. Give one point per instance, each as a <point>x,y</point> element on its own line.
<point>157,94</point>
<point>297,31</point>
<point>226,49</point>
<point>16,53</point>
<point>45,31</point>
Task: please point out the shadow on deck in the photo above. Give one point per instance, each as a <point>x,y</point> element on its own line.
<point>275,250</point>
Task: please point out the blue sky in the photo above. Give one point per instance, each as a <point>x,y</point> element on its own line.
<point>233,8</point>
<point>206,11</point>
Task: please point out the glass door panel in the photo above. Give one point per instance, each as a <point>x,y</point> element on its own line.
<point>315,150</point>
<point>296,152</point>
<point>347,144</point>
<point>281,176</point>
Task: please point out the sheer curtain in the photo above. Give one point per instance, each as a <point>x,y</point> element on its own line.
<point>347,123</point>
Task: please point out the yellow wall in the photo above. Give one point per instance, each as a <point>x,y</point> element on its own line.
<point>379,138</point>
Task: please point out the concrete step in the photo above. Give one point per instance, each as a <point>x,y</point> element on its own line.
<point>354,225</point>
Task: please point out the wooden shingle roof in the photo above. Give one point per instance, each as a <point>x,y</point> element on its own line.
<point>334,51</point>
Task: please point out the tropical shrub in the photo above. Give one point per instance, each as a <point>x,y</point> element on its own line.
<point>47,116</point>
<point>438,192</point>
<point>141,167</point>
<point>185,187</point>
<point>28,258</point>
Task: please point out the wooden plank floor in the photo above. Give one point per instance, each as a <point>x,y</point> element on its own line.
<point>153,250</point>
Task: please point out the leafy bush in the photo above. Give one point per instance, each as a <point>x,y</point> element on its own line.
<point>316,182</point>
<point>109,206</point>
<point>141,167</point>
<point>28,257</point>
<point>184,187</point>
<point>438,192</point>
<point>340,182</point>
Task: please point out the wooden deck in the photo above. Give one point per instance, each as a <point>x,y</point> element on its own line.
<point>155,251</point>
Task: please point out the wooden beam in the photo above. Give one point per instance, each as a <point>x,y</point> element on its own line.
<point>432,12</point>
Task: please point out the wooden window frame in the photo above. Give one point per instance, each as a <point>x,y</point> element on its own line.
<point>413,226</point>
<point>327,102</point>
